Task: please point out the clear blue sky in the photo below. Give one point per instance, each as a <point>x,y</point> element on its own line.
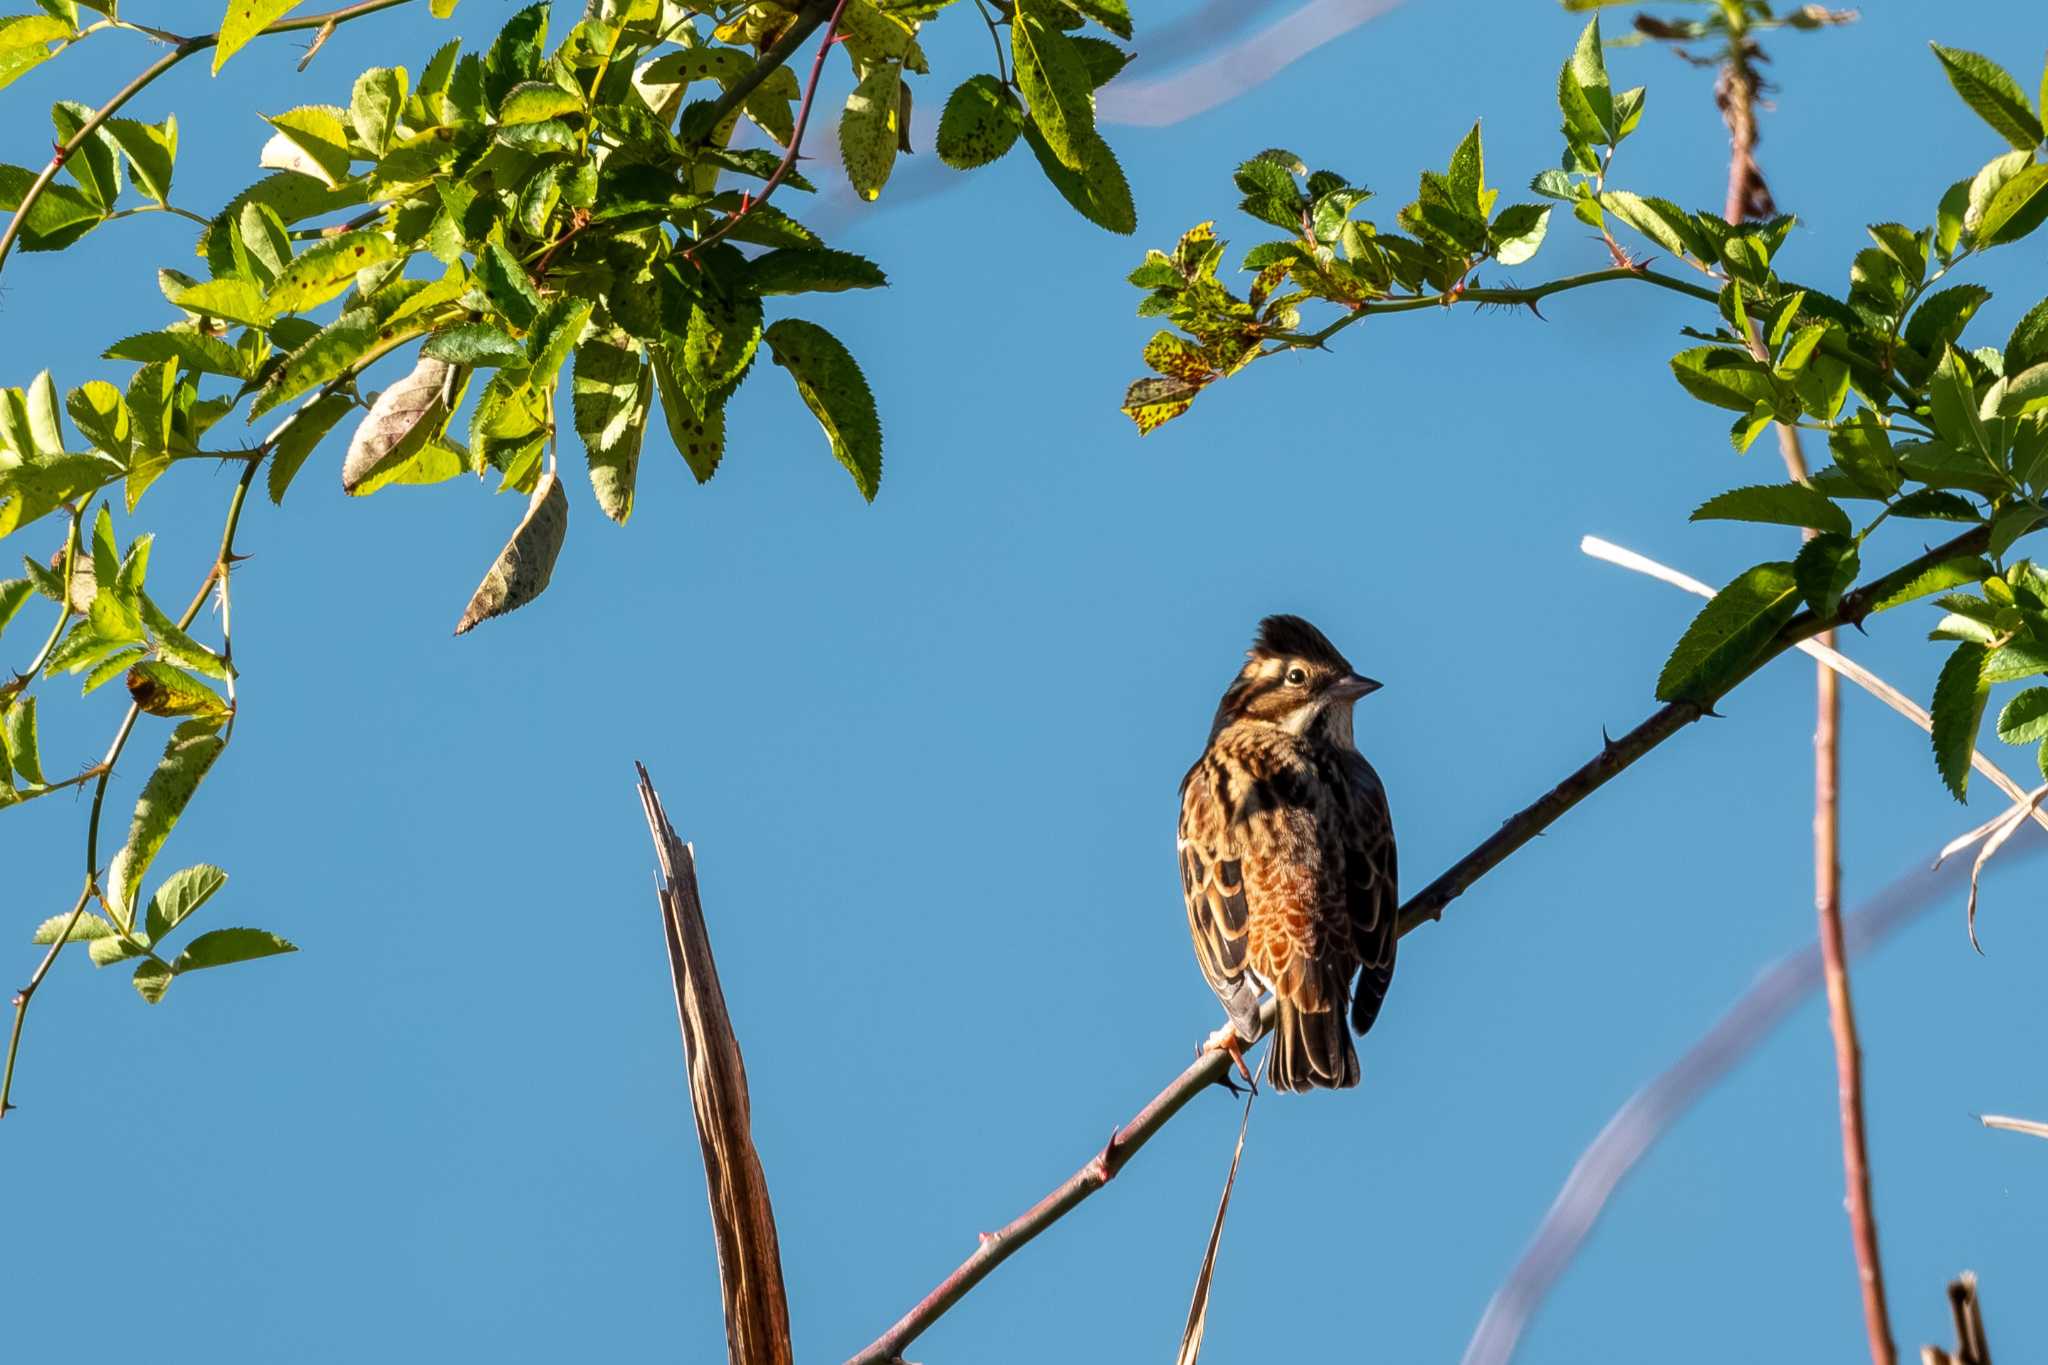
<point>928,749</point>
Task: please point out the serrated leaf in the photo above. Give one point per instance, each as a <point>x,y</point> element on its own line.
<point>516,54</point>
<point>1055,82</point>
<point>192,749</point>
<point>1959,697</point>
<point>221,947</point>
<point>1863,450</point>
<point>308,427</point>
<point>536,102</point>
<point>331,352</point>
<point>376,105</point>
<point>87,929</point>
<point>152,152</point>
<point>101,415</point>
<point>792,271</point>
<point>181,893</point>
<point>1996,97</point>
<point>1722,642</point>
<point>205,354</point>
<point>25,43</point>
<point>695,424</point>
<point>312,141</point>
<point>507,285</point>
<point>2025,718</point>
<point>1954,401</point>
<point>1151,403</point>
<point>164,689</point>
<point>868,130</point>
<point>1825,567</point>
<point>720,340</point>
<point>1934,504</point>
<point>243,21</point>
<point>405,416</point>
<point>151,980</point>
<point>1783,504</point>
<point>104,952</point>
<point>834,389</point>
<point>21,741</point>
<point>231,298</point>
<point>1518,231</point>
<point>1113,15</point>
<point>1098,191</point>
<point>523,567</point>
<point>979,124</point>
<point>326,270</point>
<point>610,393</point>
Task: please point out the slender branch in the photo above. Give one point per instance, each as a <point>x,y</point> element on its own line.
<point>1527,297</point>
<point>64,608</point>
<point>796,140</point>
<point>185,48</point>
<point>807,20</point>
<point>105,771</point>
<point>1427,904</point>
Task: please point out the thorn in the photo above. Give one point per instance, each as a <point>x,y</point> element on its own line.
<point>1708,712</point>
<point>1606,741</point>
<point>1106,1160</point>
<point>984,1238</point>
<point>1531,306</point>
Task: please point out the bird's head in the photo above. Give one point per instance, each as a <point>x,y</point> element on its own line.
<point>1295,679</point>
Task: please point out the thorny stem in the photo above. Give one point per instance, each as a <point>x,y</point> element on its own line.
<point>185,48</point>
<point>807,20</point>
<point>1427,904</point>
<point>218,572</point>
<point>1531,295</point>
<point>796,138</point>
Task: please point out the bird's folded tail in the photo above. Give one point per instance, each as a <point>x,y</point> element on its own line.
<point>1312,1050</point>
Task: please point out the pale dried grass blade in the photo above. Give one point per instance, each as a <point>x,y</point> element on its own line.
<point>742,1220</point>
<point>2006,824</point>
<point>2031,1127</point>
<point>1198,1311</point>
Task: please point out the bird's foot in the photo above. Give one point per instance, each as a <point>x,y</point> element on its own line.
<point>1226,1039</point>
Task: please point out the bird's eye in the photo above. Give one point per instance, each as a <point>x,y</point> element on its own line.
<point>1296,676</point>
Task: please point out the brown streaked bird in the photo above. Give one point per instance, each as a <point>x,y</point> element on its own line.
<point>1287,860</point>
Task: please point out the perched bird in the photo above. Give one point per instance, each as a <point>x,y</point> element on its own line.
<point>1287,859</point>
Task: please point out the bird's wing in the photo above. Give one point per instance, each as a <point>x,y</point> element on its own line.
<point>1372,889</point>
<point>1213,885</point>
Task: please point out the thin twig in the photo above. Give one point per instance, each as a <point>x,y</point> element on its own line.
<point>185,48</point>
<point>1656,1106</point>
<point>1428,904</point>
<point>796,141</point>
<point>2030,1127</point>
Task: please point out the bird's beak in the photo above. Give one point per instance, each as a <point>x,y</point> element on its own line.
<point>1351,687</point>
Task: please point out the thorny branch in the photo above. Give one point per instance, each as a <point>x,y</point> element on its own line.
<point>1615,756</point>
<point>185,47</point>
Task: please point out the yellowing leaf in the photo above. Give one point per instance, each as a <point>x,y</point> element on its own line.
<point>868,130</point>
<point>243,21</point>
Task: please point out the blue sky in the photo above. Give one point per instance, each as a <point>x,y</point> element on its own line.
<point>927,750</point>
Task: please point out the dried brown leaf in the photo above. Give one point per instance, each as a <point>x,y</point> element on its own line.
<point>526,563</point>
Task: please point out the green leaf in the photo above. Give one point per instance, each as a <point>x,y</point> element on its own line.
<point>331,351</point>
<point>1725,378</point>
<point>1105,60</point>
<point>100,414</point>
<point>96,164</point>
<point>536,102</point>
<point>298,440</point>
<point>194,351</point>
<point>1781,504</point>
<point>556,331</point>
<point>2025,718</point>
<point>192,749</point>
<point>1518,232</point>
<point>1825,567</point>
<point>980,123</point>
<point>163,689</point>
<point>1113,15</point>
<point>107,951</point>
<point>244,20</point>
<point>1954,398</point>
<point>1055,82</point>
<point>475,344</point>
<point>516,55</point>
<point>2015,208</point>
<point>61,216</point>
<point>231,298</point>
<point>1583,93</point>
<point>1863,450</point>
<point>151,980</point>
<point>834,389</point>
<point>312,141</point>
<point>376,105</point>
<point>507,285</point>
<point>1099,191</point>
<point>1724,640</point>
<point>522,569</point>
<point>88,928</point>
<point>14,592</point>
<point>152,152</point>
<point>181,893</point>
<point>1959,697</point>
<point>868,130</point>
<point>21,740</point>
<point>220,947</point>
<point>178,647</point>
<point>610,393</point>
<point>696,423</point>
<point>1948,218</point>
<point>823,271</point>
<point>1987,88</point>
<point>325,271</point>
<point>25,43</point>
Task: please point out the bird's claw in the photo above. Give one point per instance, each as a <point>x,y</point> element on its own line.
<point>1226,1039</point>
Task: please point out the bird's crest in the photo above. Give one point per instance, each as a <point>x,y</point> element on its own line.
<point>1290,637</point>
